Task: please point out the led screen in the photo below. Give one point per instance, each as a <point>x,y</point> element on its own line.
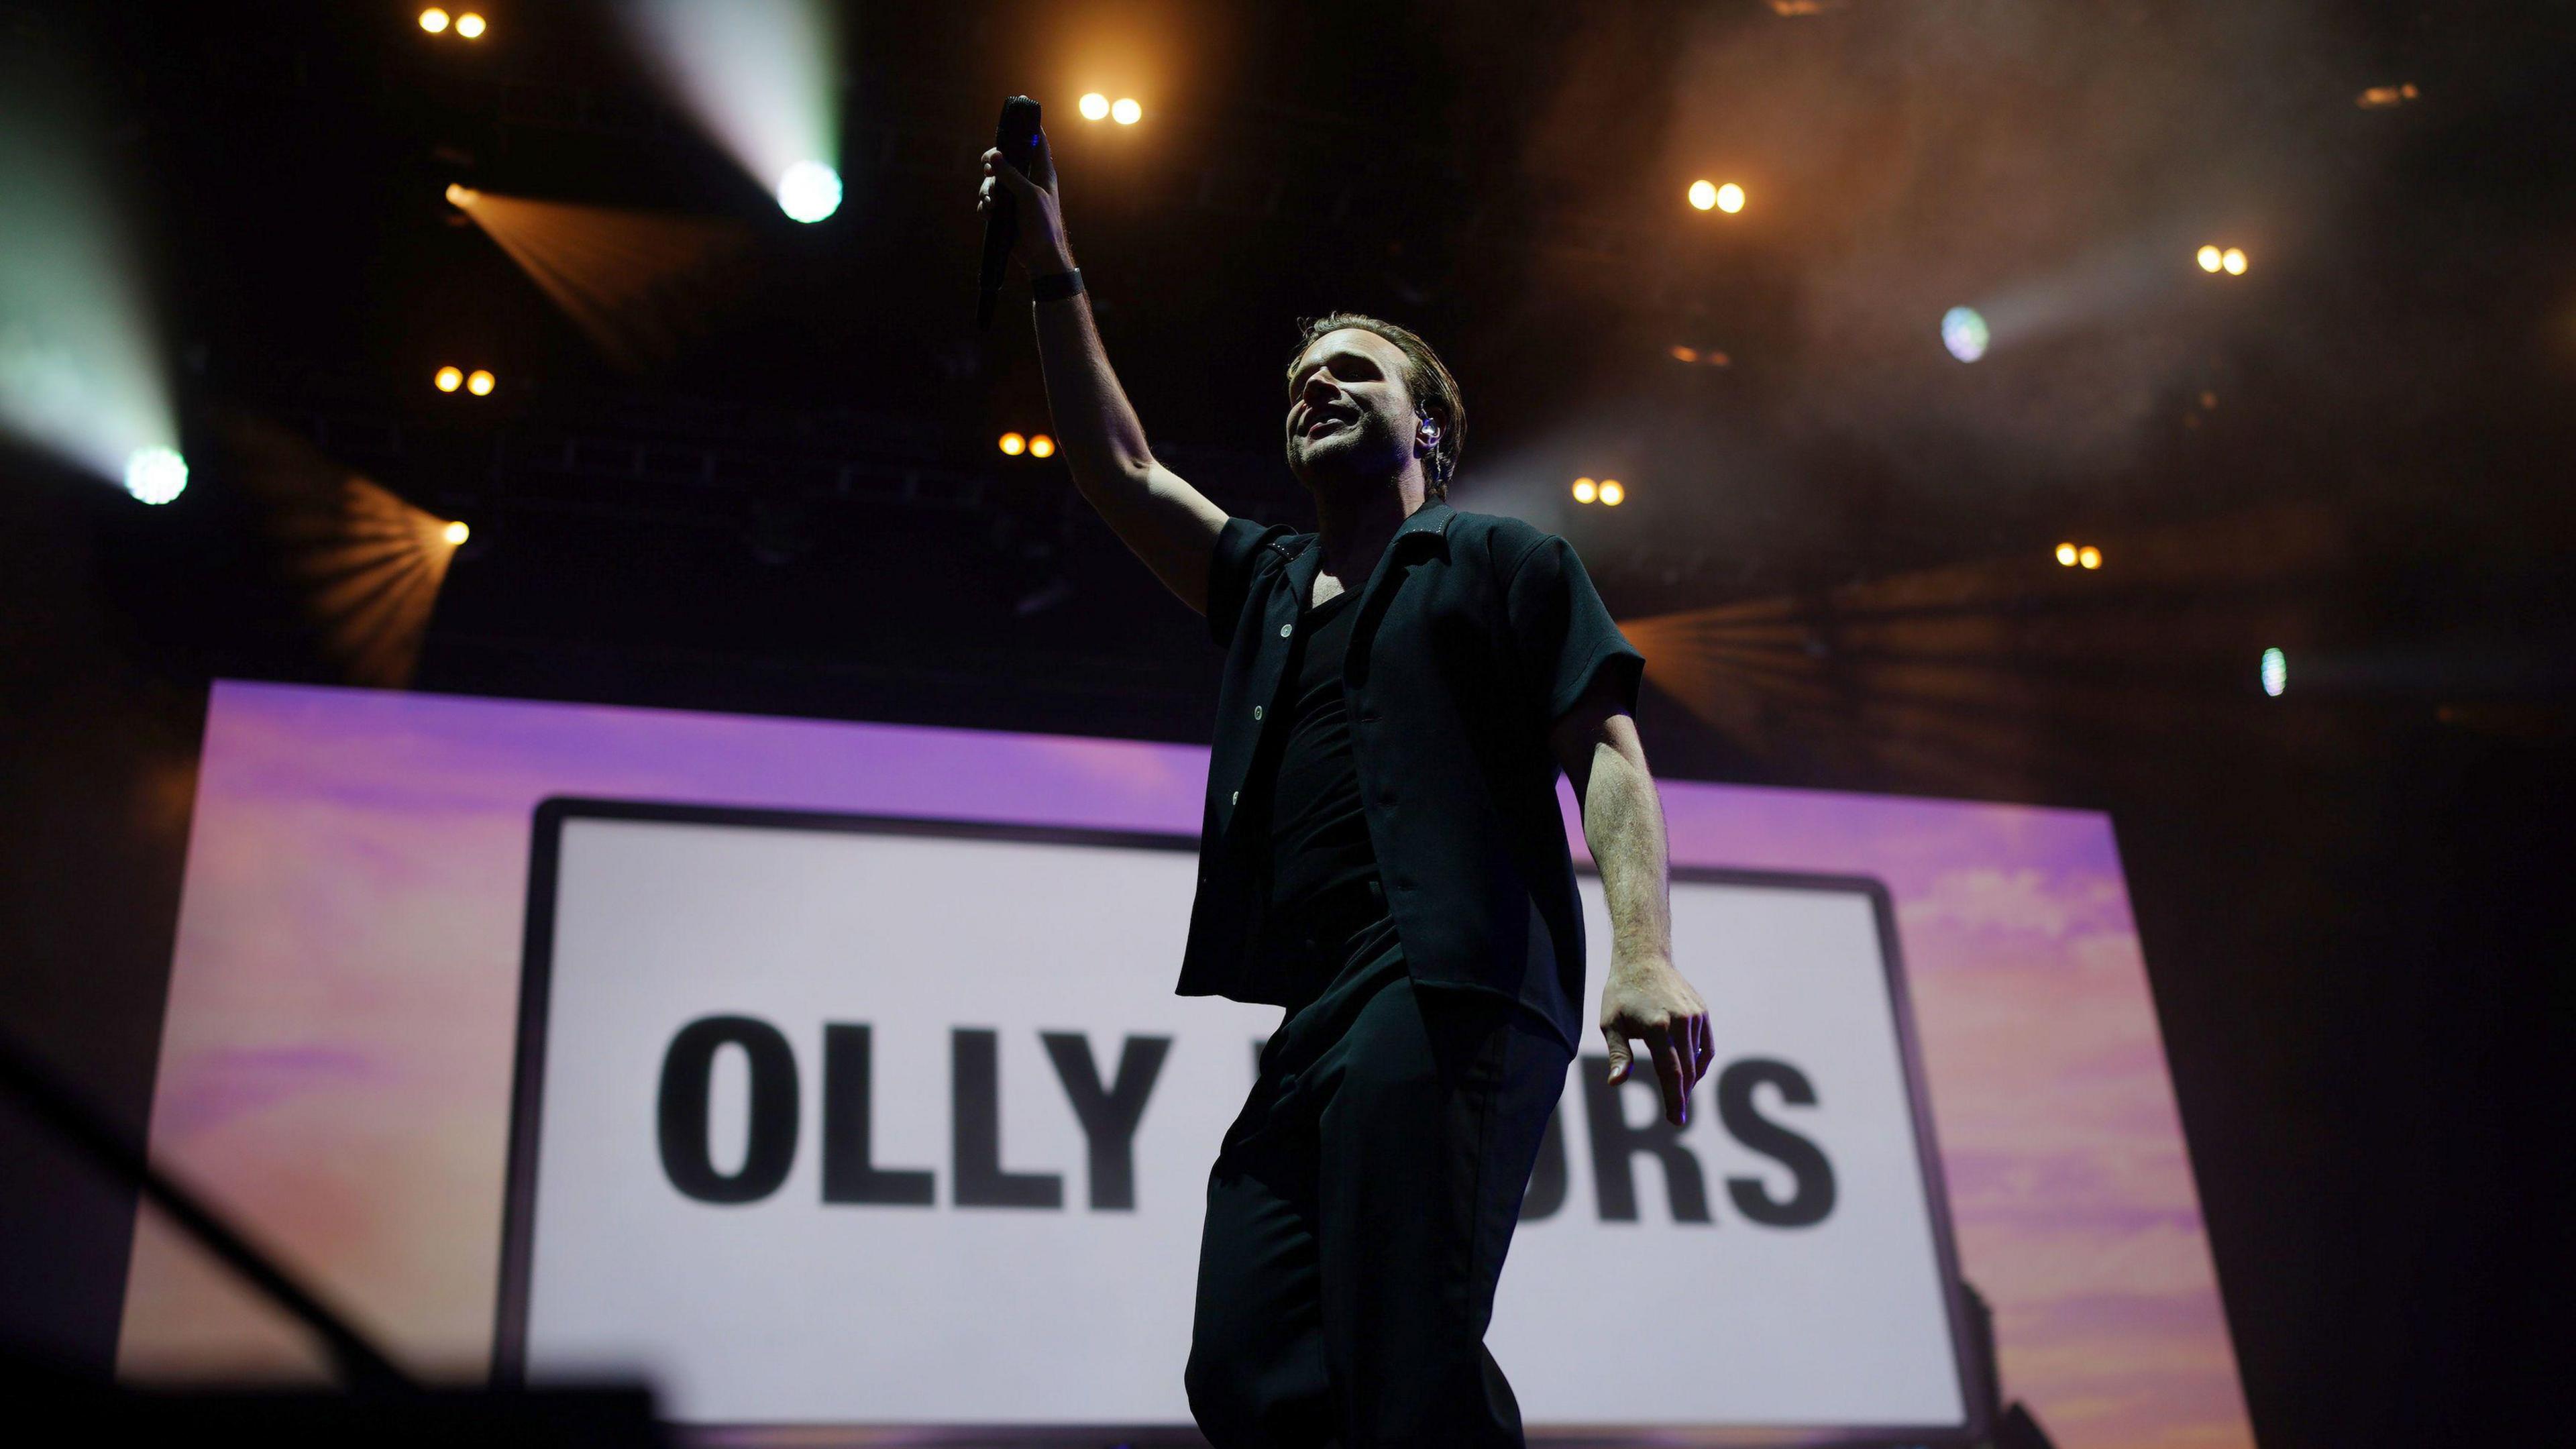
<point>1957,984</point>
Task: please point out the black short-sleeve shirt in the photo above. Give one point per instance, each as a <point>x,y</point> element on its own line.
<point>1474,634</point>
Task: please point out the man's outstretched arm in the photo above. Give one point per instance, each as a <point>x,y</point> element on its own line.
<point>1166,522</point>
<point>1623,821</point>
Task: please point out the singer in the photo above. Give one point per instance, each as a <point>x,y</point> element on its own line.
<point>1383,856</point>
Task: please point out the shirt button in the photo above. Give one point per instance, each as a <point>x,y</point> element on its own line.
<point>1256,711</point>
<point>1284,628</point>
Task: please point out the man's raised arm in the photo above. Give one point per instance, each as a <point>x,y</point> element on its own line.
<point>1169,524</point>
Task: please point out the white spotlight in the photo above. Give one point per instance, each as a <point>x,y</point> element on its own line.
<point>764,77</point>
<point>156,475</point>
<point>810,191</point>
<point>1964,332</point>
<point>2276,672</point>
<point>1125,112</point>
<point>1095,107</point>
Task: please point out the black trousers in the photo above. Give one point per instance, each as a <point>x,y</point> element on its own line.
<point>1358,1214</point>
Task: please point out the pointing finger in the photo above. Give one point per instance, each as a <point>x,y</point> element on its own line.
<point>1668,1067</point>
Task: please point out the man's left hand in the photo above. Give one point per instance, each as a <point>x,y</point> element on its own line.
<point>1647,1000</point>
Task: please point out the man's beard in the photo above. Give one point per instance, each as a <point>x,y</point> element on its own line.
<point>1357,458</point>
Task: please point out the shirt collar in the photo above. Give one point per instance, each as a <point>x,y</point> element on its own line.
<point>1430,520</point>
<point>1432,517</point>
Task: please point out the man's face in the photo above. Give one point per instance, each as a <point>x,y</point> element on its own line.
<point>1351,419</point>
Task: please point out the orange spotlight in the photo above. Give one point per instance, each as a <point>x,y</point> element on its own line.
<point>1703,194</point>
<point>1012,445</point>
<point>470,25</point>
<point>462,195</point>
<point>433,20</point>
<point>2234,261</point>
<point>480,383</point>
<point>1730,198</point>
<point>2211,259</point>
<point>1585,490</point>
<point>2089,556</point>
<point>1126,112</point>
<point>456,533</point>
<point>448,379</point>
<point>1612,495</point>
<point>1041,446</point>
<point>1095,107</point>
<point>1685,354</point>
<point>2066,554</point>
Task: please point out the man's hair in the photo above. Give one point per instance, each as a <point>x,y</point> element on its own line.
<point>1434,391</point>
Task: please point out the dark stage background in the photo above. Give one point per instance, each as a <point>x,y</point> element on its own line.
<point>2352,897</point>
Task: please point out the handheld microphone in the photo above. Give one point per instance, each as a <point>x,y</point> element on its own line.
<point>1017,139</point>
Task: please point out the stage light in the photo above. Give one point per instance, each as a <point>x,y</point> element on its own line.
<point>456,533</point>
<point>1041,446</point>
<point>2066,554</point>
<point>1730,198</point>
<point>2234,261</point>
<point>2381,97</point>
<point>1685,354</point>
<point>470,25</point>
<point>1012,445</point>
<point>1126,112</point>
<point>1094,107</point>
<point>1703,194</point>
<point>433,20</point>
<point>1585,490</point>
<point>462,196</point>
<point>1612,495</point>
<point>480,383</point>
<point>2089,556</point>
<point>448,379</point>
<point>2211,259</point>
<point>764,77</point>
<point>156,475</point>
<point>639,284</point>
<point>1964,332</point>
<point>810,191</point>
<point>84,370</point>
<point>2276,672</point>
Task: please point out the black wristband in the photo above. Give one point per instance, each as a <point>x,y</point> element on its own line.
<point>1056,286</point>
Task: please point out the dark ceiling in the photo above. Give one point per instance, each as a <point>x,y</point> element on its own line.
<point>2359,450</point>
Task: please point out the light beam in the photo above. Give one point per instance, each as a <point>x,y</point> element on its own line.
<point>82,377</point>
<point>636,283</point>
<point>761,75</point>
